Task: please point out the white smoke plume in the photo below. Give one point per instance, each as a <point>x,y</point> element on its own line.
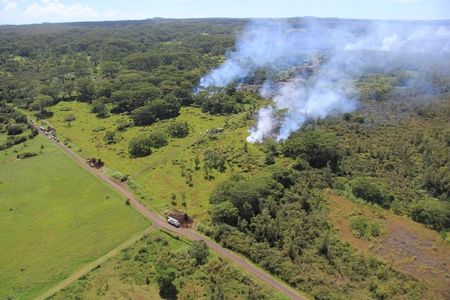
<point>348,48</point>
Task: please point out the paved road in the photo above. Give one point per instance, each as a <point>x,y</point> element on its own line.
<point>159,222</point>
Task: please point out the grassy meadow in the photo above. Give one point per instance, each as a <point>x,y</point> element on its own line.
<point>156,177</point>
<point>54,217</point>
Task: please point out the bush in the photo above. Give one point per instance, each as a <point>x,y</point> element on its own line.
<point>25,155</point>
<point>432,212</point>
<point>363,228</point>
<point>214,160</point>
<point>139,146</point>
<point>319,148</point>
<point>14,129</point>
<point>366,189</point>
<point>199,251</point>
<point>99,107</point>
<point>178,129</point>
<point>122,124</point>
<point>110,137</point>
<point>119,176</point>
<point>157,139</point>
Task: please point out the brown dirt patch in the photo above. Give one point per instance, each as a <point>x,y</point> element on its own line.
<point>179,216</point>
<point>407,246</point>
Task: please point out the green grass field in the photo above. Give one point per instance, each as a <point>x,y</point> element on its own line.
<point>157,176</point>
<point>54,217</point>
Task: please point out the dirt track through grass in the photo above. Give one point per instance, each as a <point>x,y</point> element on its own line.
<point>91,266</point>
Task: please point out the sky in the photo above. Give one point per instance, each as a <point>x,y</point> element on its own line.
<point>39,11</point>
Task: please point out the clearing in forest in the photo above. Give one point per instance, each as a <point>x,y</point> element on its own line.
<point>161,179</point>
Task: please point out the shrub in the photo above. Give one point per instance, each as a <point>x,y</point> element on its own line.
<point>99,128</point>
<point>432,212</point>
<point>26,155</point>
<point>110,137</point>
<point>139,146</point>
<point>178,129</point>
<point>363,228</point>
<point>366,189</point>
<point>14,129</point>
<point>119,176</point>
<point>199,251</point>
<point>214,160</point>
<point>157,139</point>
<point>99,107</point>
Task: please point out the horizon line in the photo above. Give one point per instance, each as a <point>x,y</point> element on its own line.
<point>230,18</point>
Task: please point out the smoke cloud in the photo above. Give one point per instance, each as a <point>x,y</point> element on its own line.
<point>324,59</point>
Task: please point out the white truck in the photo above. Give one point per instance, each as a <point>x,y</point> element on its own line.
<point>173,222</point>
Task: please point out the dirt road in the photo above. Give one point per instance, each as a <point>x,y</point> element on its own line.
<point>159,222</point>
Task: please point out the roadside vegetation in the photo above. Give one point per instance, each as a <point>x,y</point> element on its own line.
<point>160,266</point>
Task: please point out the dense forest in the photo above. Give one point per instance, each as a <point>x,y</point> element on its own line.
<point>391,152</point>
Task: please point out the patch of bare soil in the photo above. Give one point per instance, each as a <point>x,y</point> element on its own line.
<point>185,221</point>
<point>405,245</point>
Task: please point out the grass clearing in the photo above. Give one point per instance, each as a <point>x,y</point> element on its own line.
<point>54,217</point>
<point>156,177</point>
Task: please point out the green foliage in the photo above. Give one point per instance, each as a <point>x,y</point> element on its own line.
<point>376,88</point>
<point>23,155</point>
<point>199,251</point>
<point>159,259</point>
<point>178,129</point>
<point>140,146</point>
<point>214,160</point>
<point>318,147</point>
<point>432,212</point>
<point>223,100</point>
<point>368,190</point>
<point>110,137</point>
<point>244,195</point>
<point>363,228</point>
<point>157,139</point>
<point>14,129</point>
<point>99,107</point>
<point>86,89</point>
<point>14,124</point>
<point>165,276</point>
<point>154,111</point>
<point>225,212</point>
<point>282,222</point>
<point>69,119</point>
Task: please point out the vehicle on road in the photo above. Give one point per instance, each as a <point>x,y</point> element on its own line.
<point>173,222</point>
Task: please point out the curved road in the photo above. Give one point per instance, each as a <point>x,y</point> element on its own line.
<point>160,222</point>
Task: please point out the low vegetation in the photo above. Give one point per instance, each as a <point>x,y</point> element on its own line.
<point>166,267</point>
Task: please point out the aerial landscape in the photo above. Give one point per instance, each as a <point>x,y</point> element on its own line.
<point>206,149</point>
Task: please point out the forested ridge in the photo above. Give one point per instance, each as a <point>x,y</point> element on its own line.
<point>392,152</point>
